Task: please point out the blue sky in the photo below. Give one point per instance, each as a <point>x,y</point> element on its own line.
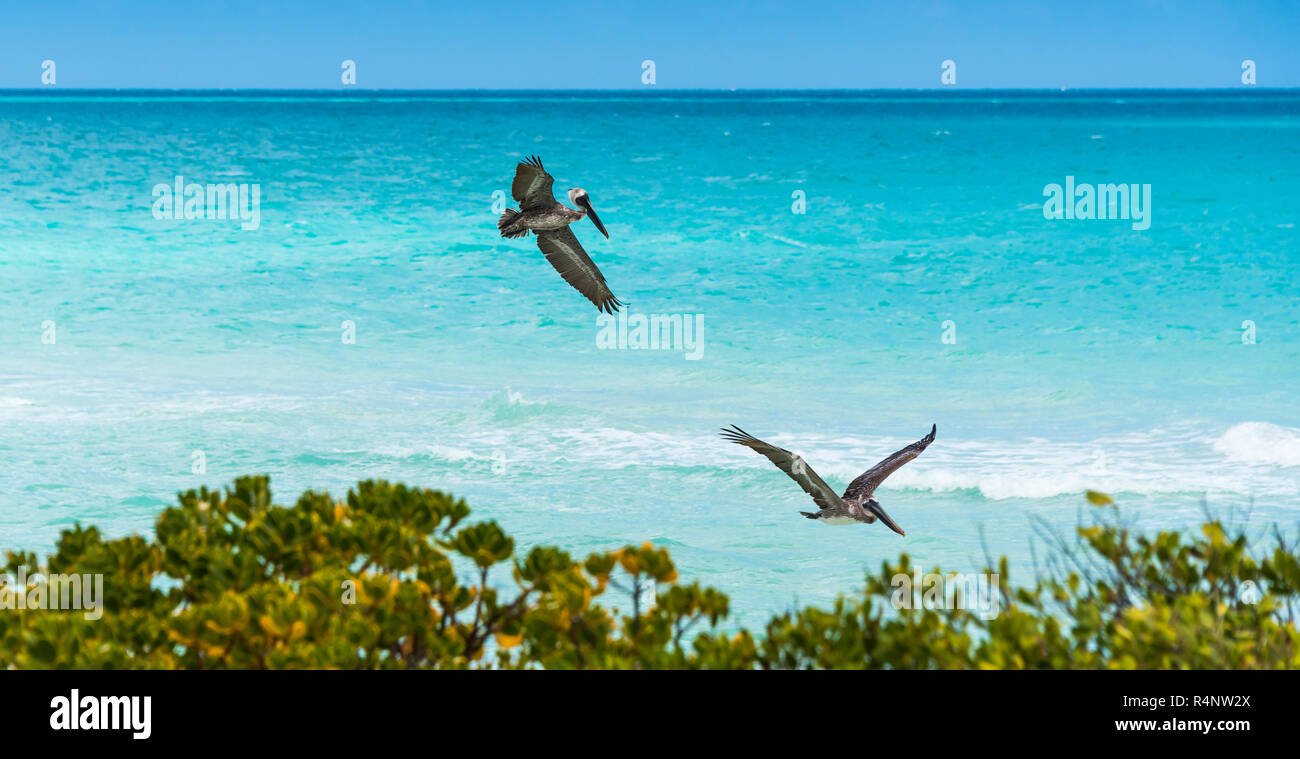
<point>695,44</point>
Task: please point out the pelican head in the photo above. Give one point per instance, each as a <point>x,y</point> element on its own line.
<point>873,506</point>
<point>578,197</point>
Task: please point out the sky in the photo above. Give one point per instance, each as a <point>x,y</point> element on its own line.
<point>695,44</point>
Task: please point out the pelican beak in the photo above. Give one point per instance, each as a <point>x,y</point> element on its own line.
<point>883,517</point>
<point>591,214</point>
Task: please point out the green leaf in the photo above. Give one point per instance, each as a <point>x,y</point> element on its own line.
<point>1097,498</point>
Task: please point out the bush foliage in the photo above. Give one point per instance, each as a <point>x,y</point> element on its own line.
<point>395,577</point>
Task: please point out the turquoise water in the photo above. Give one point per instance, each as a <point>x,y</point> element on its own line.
<point>1087,353</point>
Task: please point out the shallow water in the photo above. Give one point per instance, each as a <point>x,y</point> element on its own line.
<point>1088,354</point>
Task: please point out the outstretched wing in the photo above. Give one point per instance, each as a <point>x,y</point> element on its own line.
<point>572,262</point>
<point>789,463</point>
<point>532,185</point>
<point>869,480</point>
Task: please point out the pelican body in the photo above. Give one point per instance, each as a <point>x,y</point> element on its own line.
<point>550,218</point>
<point>540,213</point>
<point>858,504</point>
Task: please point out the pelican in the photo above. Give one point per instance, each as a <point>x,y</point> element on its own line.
<point>549,219</point>
<point>858,504</point>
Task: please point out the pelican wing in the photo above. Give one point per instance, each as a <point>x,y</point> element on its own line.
<point>789,463</point>
<point>869,480</point>
<point>532,185</point>
<point>572,262</point>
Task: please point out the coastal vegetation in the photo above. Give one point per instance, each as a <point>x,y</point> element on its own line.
<point>397,577</point>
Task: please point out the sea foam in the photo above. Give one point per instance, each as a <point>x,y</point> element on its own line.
<point>1261,443</point>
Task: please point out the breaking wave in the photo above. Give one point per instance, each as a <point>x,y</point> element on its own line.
<point>1251,458</point>
<point>1261,442</point>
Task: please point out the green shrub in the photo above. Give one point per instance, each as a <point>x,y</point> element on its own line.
<point>232,581</point>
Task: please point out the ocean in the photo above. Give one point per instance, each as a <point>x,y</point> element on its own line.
<point>855,266</point>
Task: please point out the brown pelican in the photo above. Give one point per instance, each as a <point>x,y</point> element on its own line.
<point>857,504</point>
<point>549,219</point>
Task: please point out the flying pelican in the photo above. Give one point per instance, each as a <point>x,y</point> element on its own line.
<point>549,219</point>
<point>857,504</point>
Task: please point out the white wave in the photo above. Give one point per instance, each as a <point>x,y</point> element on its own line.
<point>508,397</point>
<point>1261,443</point>
<point>1172,460</point>
<point>13,405</point>
<point>788,241</point>
<point>452,453</point>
